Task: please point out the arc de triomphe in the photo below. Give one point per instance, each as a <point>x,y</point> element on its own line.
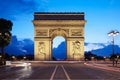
<point>48,25</point>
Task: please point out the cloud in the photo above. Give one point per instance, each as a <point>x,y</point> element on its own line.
<point>94,46</point>
<point>60,51</point>
<point>101,49</point>
<point>107,50</point>
<point>11,8</point>
<point>20,47</point>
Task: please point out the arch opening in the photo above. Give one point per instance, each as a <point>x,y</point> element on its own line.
<point>59,49</point>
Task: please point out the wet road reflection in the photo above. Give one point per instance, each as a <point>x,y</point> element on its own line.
<point>52,71</point>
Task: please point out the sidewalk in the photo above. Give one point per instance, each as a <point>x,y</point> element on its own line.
<point>104,65</point>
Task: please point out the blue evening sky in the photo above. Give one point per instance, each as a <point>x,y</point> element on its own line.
<point>102,16</point>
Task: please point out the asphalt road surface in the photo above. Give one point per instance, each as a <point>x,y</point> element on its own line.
<point>55,71</point>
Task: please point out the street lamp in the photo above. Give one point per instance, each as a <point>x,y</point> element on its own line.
<point>24,57</point>
<point>0,57</point>
<point>117,56</point>
<point>13,57</point>
<point>113,33</point>
<point>92,58</point>
<point>104,58</point>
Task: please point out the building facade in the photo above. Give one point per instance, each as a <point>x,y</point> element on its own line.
<point>49,25</point>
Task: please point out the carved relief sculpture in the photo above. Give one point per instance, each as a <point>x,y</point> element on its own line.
<point>41,48</point>
<point>41,33</point>
<point>76,48</point>
<point>76,32</point>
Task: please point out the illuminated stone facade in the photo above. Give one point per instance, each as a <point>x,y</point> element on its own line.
<point>49,25</point>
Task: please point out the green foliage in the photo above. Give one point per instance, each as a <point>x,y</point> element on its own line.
<point>5,38</point>
<point>5,34</point>
<point>89,55</point>
<point>5,25</point>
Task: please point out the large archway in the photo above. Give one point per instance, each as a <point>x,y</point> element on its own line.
<point>54,34</point>
<point>59,48</point>
<point>49,25</point>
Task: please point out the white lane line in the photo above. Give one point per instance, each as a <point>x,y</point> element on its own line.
<point>53,74</point>
<point>68,78</point>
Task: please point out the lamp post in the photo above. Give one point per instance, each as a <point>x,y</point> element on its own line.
<point>13,57</point>
<point>24,57</point>
<point>104,58</point>
<point>0,57</point>
<point>92,58</point>
<point>117,56</point>
<point>113,34</point>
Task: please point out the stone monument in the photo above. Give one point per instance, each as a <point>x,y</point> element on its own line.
<point>48,25</point>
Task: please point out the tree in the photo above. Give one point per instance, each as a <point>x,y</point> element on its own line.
<point>5,35</point>
<point>89,55</point>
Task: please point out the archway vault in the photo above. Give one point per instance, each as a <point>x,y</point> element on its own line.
<point>49,25</point>
<point>59,32</point>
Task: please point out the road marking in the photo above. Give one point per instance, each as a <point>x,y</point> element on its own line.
<point>68,78</point>
<point>53,74</point>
